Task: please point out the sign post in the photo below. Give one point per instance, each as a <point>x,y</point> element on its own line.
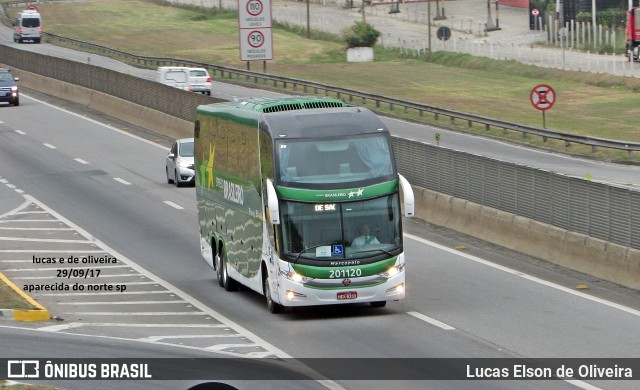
<point>542,97</point>
<point>254,22</point>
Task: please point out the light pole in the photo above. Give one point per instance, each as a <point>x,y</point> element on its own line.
<point>429,25</point>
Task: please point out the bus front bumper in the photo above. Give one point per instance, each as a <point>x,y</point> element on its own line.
<point>291,293</point>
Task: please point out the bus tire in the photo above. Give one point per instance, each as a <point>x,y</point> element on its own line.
<point>228,283</point>
<point>378,304</point>
<point>273,307</point>
<point>218,268</point>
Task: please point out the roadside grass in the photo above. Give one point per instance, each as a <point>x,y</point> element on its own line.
<point>597,105</point>
<point>10,299</point>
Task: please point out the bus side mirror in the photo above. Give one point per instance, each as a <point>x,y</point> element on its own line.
<point>409,201</point>
<point>272,203</point>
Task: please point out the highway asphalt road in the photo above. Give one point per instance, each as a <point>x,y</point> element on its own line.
<point>111,185</point>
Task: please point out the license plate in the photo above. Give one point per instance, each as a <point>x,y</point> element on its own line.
<point>2,94</point>
<point>347,295</point>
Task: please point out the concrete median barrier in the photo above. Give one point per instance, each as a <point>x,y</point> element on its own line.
<point>592,256</point>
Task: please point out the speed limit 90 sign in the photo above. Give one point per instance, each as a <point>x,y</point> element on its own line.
<point>255,39</point>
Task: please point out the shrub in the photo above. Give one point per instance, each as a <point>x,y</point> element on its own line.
<point>361,35</point>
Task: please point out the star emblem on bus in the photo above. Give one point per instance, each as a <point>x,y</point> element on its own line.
<point>356,193</point>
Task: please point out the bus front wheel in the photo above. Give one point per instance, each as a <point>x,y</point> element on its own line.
<point>273,307</point>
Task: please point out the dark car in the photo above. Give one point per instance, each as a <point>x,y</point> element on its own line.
<point>8,87</point>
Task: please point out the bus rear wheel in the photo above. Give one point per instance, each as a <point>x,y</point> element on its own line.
<point>273,307</point>
<point>218,265</point>
<point>227,282</point>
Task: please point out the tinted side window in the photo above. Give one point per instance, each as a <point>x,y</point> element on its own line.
<point>30,22</point>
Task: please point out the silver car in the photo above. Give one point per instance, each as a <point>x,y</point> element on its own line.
<point>179,163</point>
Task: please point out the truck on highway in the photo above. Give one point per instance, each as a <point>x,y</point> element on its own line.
<point>299,199</point>
<point>633,34</point>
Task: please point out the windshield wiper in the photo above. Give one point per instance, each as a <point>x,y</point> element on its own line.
<point>375,249</point>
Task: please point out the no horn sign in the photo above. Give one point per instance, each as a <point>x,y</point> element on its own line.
<point>542,97</point>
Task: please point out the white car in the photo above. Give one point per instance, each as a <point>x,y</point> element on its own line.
<point>200,81</point>
<point>179,163</point>
<point>188,79</point>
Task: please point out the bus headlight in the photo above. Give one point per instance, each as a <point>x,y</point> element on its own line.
<point>393,271</point>
<point>294,277</point>
<point>291,295</point>
<point>397,289</point>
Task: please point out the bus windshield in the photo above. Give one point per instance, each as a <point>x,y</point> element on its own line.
<point>336,231</point>
<point>314,161</point>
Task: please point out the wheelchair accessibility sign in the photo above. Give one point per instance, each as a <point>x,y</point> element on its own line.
<point>338,250</point>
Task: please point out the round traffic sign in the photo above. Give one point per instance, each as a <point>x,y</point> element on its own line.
<point>542,97</point>
<point>444,33</point>
<point>255,39</point>
<point>535,12</point>
<point>254,7</point>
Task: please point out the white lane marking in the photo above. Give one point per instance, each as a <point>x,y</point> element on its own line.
<point>45,240</point>
<point>81,161</point>
<point>98,123</point>
<point>192,336</point>
<point>121,303</point>
<point>430,320</point>
<point>50,146</point>
<point>222,347</point>
<point>121,181</point>
<point>105,293</point>
<point>526,276</point>
<point>29,220</point>
<point>4,181</point>
<point>10,186</point>
<point>175,206</point>
<point>48,269</point>
<point>20,132</point>
<point>19,191</point>
<point>168,345</point>
<point>47,229</point>
<point>582,385</point>
<point>128,313</point>
<point>135,325</point>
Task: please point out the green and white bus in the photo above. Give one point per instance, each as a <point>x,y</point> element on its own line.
<point>284,186</point>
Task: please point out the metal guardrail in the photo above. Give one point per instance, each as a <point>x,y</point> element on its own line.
<point>306,85</point>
